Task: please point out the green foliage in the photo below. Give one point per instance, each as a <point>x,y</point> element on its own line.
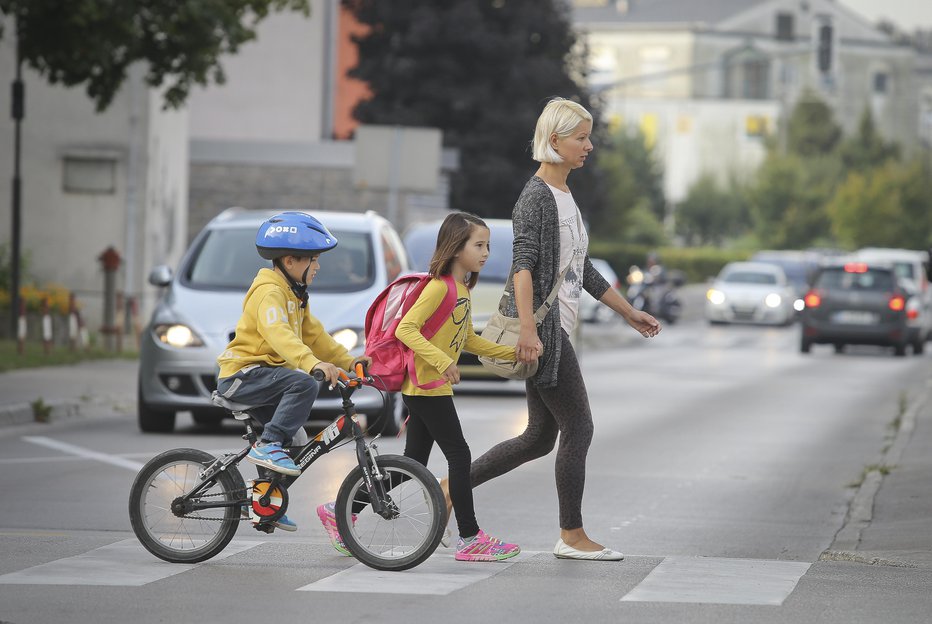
<point>481,72</point>
<point>698,263</point>
<point>709,214</point>
<point>867,149</point>
<point>633,180</point>
<point>812,130</point>
<point>93,42</point>
<point>889,206</point>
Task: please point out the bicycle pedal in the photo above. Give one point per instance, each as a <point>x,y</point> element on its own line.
<point>264,527</point>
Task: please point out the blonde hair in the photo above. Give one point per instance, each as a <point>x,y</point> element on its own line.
<point>453,235</point>
<point>560,117</point>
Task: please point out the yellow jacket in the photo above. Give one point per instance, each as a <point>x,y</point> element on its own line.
<point>432,357</point>
<point>273,330</point>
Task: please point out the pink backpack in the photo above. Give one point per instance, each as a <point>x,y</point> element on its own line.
<point>392,360</point>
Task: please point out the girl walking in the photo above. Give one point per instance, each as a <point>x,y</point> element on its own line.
<point>462,250</point>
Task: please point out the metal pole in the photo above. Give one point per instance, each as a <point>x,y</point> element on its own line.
<point>18,110</point>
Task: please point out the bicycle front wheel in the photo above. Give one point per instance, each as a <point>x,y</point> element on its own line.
<point>417,515</point>
<point>174,535</point>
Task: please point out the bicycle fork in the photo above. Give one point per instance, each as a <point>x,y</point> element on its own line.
<point>366,455</point>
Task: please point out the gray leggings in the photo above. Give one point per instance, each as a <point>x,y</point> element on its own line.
<point>563,409</point>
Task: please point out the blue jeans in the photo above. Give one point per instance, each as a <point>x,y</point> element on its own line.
<point>284,397</point>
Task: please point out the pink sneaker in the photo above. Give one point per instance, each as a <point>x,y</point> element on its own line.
<point>485,548</point>
<point>328,518</point>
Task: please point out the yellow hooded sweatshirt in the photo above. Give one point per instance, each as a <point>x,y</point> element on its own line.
<point>275,331</point>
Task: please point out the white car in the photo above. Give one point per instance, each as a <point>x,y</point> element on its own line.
<point>750,292</point>
<point>592,311</point>
<point>912,272</point>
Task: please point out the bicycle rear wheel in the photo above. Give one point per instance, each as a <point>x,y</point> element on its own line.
<point>189,537</point>
<point>417,520</point>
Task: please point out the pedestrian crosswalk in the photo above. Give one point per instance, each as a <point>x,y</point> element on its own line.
<point>675,579</point>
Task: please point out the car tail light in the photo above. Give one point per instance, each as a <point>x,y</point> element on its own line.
<point>812,299</point>
<point>912,314</point>
<point>856,267</point>
<point>897,303</point>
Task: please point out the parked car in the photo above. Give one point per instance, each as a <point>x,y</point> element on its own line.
<point>592,311</point>
<point>197,313</point>
<point>857,303</point>
<point>913,273</point>
<point>750,292</point>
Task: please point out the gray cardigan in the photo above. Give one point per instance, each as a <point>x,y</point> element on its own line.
<point>537,249</point>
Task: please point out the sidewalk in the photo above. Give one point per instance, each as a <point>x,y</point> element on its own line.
<point>96,386</point>
<point>890,519</point>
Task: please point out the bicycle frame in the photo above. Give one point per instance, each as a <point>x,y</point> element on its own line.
<point>342,428</point>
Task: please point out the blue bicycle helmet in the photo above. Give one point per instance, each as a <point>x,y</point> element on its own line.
<point>293,234</point>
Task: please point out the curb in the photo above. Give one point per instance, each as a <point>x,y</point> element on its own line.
<point>861,510</point>
<point>25,413</point>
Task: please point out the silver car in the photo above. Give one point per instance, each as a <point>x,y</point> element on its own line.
<point>750,292</point>
<point>198,311</point>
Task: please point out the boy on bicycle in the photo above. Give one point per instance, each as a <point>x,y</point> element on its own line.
<point>278,342</point>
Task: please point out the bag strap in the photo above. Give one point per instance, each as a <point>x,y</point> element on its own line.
<point>431,327</point>
<point>544,308</point>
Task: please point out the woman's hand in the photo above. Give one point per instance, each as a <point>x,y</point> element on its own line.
<point>451,374</point>
<point>644,323</point>
<point>529,347</point>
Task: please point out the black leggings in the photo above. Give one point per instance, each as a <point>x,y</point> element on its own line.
<point>433,418</point>
<point>563,409</point>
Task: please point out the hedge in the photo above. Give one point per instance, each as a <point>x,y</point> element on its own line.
<point>698,263</point>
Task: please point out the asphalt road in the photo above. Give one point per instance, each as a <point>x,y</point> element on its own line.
<point>722,465</point>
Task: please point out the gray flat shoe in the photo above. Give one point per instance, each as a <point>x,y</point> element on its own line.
<point>562,551</point>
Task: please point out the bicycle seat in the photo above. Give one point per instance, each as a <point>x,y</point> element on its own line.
<point>239,409</point>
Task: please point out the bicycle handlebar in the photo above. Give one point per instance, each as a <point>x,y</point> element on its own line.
<point>345,380</point>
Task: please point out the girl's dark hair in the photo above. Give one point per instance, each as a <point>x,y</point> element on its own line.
<point>452,237</point>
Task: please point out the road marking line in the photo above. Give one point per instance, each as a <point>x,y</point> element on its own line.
<point>719,581</point>
<point>80,451</point>
<point>122,564</point>
<point>439,575</point>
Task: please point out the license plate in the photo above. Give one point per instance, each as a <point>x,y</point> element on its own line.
<point>854,317</point>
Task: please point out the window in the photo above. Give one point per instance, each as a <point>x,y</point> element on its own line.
<point>390,248</point>
<point>785,27</point>
<point>87,174</point>
<point>755,79</point>
<point>881,82</point>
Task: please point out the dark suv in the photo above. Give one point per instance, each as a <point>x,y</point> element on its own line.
<point>856,303</point>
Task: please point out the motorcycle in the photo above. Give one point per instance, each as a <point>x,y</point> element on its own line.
<point>655,291</point>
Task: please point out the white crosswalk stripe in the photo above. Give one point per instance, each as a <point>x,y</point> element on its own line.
<point>719,581</point>
<point>125,564</point>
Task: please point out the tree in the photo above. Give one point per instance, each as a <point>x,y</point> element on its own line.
<point>812,130</point>
<point>890,206</point>
<point>634,204</point>
<point>93,42</point>
<point>867,149</point>
<point>481,71</point>
<point>710,214</point>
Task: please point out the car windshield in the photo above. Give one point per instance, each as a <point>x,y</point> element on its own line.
<point>420,244</point>
<point>796,272</point>
<point>869,280</point>
<point>227,259</point>
<point>750,277</point>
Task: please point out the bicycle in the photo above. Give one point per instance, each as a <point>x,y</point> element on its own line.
<point>185,504</point>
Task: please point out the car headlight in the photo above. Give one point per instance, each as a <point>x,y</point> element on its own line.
<point>715,297</point>
<point>349,338</point>
<point>799,305</point>
<point>773,300</point>
<point>177,335</point>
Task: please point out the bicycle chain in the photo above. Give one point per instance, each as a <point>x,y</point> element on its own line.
<point>241,519</point>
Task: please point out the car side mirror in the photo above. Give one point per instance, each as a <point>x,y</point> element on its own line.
<point>160,276</point>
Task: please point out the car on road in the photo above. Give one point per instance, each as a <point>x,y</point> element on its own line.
<point>798,266</point>
<point>913,272</point>
<point>750,292</point>
<point>856,302</point>
<point>197,313</point>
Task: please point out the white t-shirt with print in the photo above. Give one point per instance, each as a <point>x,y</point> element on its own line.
<point>574,241</point>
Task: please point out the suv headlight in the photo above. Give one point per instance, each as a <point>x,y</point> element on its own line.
<point>349,338</point>
<point>177,335</point>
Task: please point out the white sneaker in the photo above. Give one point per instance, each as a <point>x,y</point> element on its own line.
<point>563,551</point>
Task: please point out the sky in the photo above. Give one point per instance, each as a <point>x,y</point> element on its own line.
<point>907,14</point>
